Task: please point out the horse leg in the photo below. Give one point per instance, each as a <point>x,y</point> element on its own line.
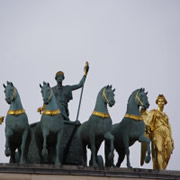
<point>127,152</point>
<point>106,152</point>
<point>13,155</point>
<point>93,151</point>
<point>23,143</point>
<point>45,132</point>
<point>83,151</point>
<point>8,133</point>
<point>99,159</point>
<point>84,156</point>
<point>147,140</point>
<point>59,152</point>
<point>121,154</point>
<point>109,137</point>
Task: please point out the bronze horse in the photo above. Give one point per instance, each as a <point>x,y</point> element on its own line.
<point>17,127</point>
<point>51,125</point>
<point>130,129</point>
<point>98,128</point>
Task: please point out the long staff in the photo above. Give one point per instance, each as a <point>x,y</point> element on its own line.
<point>66,149</point>
<point>86,68</point>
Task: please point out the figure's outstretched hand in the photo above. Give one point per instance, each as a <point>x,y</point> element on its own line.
<point>86,68</point>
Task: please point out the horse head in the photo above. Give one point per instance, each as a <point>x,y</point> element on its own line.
<point>10,92</point>
<point>141,98</point>
<point>108,95</point>
<point>46,92</point>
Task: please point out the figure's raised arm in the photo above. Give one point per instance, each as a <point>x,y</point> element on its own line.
<point>77,86</point>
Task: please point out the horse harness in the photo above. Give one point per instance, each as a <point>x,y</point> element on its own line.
<point>137,97</point>
<point>100,114</point>
<point>104,95</point>
<point>15,112</point>
<point>14,94</point>
<point>49,112</point>
<point>132,116</point>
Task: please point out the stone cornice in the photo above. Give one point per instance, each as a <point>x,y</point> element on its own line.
<point>44,169</point>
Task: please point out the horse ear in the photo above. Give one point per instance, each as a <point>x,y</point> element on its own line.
<point>110,86</point>
<point>40,86</point>
<point>11,84</point>
<point>48,84</point>
<point>4,85</point>
<point>44,83</point>
<point>146,93</point>
<point>114,89</point>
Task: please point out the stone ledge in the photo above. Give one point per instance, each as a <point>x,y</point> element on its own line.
<point>43,169</point>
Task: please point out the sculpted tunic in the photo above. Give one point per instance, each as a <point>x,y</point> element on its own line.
<point>63,96</point>
<point>161,137</point>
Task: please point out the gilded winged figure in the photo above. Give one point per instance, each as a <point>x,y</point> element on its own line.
<point>158,129</point>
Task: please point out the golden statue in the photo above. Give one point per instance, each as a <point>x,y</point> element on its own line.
<point>158,130</point>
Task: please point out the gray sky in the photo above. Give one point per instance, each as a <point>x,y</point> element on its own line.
<point>128,43</point>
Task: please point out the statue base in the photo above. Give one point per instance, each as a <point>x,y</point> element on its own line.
<point>49,172</point>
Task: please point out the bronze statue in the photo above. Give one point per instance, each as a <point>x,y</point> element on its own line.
<point>63,94</point>
<point>130,129</point>
<point>16,125</point>
<point>51,124</point>
<point>159,132</point>
<point>98,128</point>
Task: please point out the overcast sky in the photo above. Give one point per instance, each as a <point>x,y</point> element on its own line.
<point>128,43</point>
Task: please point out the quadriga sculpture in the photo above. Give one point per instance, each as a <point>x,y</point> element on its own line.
<point>16,125</point>
<point>51,124</point>
<point>130,129</point>
<point>98,128</point>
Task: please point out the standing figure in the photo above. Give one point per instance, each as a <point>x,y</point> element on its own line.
<point>63,94</point>
<point>159,131</point>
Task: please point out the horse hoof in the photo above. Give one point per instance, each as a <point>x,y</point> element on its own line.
<point>58,163</point>
<point>7,152</point>
<point>130,167</point>
<point>44,152</point>
<point>95,165</point>
<point>82,167</point>
<point>111,156</point>
<point>147,159</point>
<point>22,162</point>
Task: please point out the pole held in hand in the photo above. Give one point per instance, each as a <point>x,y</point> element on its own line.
<point>86,69</point>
